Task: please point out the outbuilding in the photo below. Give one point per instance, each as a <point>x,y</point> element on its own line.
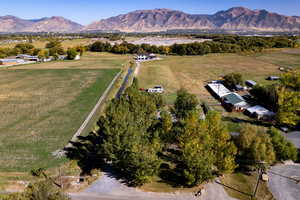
<point>218,89</point>
<point>234,102</point>
<point>28,57</point>
<point>250,83</point>
<point>11,61</point>
<point>260,113</point>
<point>273,78</point>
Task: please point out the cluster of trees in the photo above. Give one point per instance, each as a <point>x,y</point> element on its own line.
<point>282,98</point>
<point>140,138</point>
<point>233,79</point>
<point>220,44</point>
<point>53,48</point>
<point>43,189</point>
<point>257,43</point>
<point>23,48</point>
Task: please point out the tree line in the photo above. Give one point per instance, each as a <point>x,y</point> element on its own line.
<point>53,48</point>
<point>220,44</point>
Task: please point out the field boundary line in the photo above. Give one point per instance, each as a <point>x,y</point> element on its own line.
<point>89,117</point>
<point>60,153</point>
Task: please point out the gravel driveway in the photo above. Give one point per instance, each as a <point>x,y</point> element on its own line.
<point>108,188</point>
<point>282,187</point>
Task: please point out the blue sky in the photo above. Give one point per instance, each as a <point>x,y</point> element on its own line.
<point>86,11</point>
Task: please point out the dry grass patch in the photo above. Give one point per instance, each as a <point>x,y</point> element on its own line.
<point>246,184</point>
<point>191,72</point>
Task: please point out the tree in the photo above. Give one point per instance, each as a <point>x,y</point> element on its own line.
<point>53,43</point>
<point>284,149</point>
<point>254,146</point>
<point>71,54</point>
<point>44,190</point>
<point>80,49</point>
<point>266,95</point>
<point>233,79</point>
<point>185,103</point>
<point>223,148</point>
<point>24,48</point>
<point>288,103</point>
<point>291,80</point>
<point>43,54</point>
<point>127,139</point>
<point>197,156</point>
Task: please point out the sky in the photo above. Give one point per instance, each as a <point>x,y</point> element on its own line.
<point>87,11</point>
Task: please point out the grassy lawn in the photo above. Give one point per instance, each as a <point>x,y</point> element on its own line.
<point>42,109</point>
<point>42,106</point>
<point>246,184</point>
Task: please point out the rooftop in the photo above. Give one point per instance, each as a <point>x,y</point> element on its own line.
<point>234,98</point>
<point>219,89</point>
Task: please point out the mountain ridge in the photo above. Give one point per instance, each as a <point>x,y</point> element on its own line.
<point>236,18</point>
<point>161,19</point>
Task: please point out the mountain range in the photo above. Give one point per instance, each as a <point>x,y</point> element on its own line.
<point>234,19</point>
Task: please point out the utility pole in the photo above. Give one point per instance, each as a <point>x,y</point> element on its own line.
<point>260,171</point>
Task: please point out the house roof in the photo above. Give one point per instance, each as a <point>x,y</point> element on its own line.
<point>233,98</point>
<point>259,110</point>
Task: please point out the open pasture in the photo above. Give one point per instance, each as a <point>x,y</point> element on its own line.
<point>193,72</point>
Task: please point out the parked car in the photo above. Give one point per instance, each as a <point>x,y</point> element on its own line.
<point>156,89</point>
<point>284,129</point>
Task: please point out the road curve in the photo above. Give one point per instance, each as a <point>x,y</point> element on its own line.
<point>108,188</point>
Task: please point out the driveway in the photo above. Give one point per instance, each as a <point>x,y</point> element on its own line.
<point>108,188</point>
<point>282,182</point>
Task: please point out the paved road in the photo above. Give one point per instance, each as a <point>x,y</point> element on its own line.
<point>294,137</point>
<point>108,188</point>
<point>282,187</point>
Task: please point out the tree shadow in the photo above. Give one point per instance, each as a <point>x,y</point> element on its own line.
<point>249,121</point>
<point>244,193</point>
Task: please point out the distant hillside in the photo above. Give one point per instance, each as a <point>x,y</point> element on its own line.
<point>238,18</point>
<point>53,24</point>
<point>234,19</point>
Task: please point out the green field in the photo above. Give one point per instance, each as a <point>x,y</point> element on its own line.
<point>43,105</point>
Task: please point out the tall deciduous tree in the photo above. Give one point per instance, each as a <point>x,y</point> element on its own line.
<point>185,103</point>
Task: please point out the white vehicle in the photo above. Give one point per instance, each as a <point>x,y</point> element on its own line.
<point>156,89</point>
